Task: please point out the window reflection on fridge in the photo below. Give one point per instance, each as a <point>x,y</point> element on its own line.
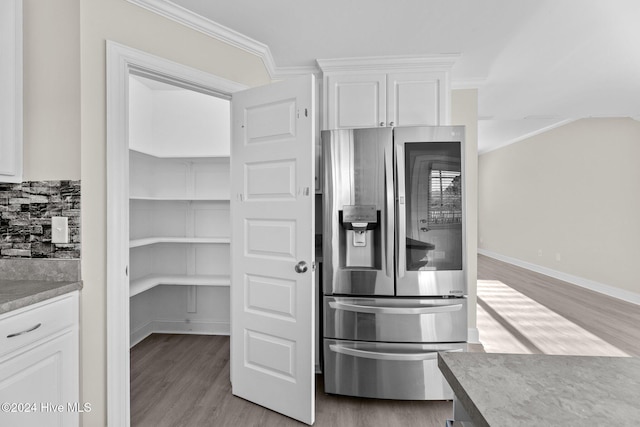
<point>433,206</point>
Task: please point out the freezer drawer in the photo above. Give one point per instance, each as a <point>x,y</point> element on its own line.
<point>386,370</point>
<point>396,319</point>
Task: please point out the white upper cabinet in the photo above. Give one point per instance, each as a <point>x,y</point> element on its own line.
<point>398,91</point>
<point>417,99</point>
<point>355,101</point>
<point>11,91</point>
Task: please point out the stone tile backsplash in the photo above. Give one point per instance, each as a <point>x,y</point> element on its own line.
<point>25,219</point>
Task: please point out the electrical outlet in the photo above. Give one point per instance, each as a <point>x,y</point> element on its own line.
<point>59,229</point>
<point>539,252</point>
<point>558,257</point>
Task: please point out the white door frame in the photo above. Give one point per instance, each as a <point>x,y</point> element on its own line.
<point>121,62</point>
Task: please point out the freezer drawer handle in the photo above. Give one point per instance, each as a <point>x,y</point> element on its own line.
<point>337,305</point>
<point>336,348</point>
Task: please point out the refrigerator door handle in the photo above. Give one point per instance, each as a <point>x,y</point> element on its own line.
<point>378,355</point>
<point>389,206</point>
<point>357,308</point>
<point>401,246</point>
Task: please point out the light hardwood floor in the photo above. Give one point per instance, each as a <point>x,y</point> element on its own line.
<point>549,316</point>
<point>183,380</point>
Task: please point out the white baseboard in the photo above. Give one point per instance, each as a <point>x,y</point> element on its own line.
<point>611,291</point>
<point>179,327</point>
<point>473,336</point>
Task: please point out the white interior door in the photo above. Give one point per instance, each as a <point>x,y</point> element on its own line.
<point>272,250</point>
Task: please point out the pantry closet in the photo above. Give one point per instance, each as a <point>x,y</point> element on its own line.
<point>179,255</point>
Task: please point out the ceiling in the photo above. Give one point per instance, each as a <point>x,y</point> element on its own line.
<point>537,64</point>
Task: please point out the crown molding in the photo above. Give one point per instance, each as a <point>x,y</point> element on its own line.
<point>441,62</point>
<point>174,12</point>
<point>473,83</point>
<point>528,135</point>
<point>206,26</point>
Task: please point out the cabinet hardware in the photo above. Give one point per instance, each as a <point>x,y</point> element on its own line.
<point>25,331</point>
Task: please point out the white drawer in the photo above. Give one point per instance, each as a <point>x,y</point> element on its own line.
<point>27,325</point>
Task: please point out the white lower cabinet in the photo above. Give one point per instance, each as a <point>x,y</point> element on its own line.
<point>39,369</point>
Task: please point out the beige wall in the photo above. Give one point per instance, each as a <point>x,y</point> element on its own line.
<point>464,111</point>
<point>51,55</point>
<point>567,200</point>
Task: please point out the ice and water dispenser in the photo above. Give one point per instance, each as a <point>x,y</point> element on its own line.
<point>360,236</point>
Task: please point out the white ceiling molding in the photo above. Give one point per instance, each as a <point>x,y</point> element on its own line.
<point>206,26</point>
<point>170,10</point>
<point>468,83</point>
<point>526,136</point>
<point>442,62</point>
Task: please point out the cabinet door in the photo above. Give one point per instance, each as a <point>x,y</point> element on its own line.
<point>43,384</point>
<point>356,101</point>
<point>416,99</point>
<point>11,91</point>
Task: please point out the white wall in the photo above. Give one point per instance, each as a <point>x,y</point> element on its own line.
<point>567,200</point>
<point>464,111</point>
<point>171,121</point>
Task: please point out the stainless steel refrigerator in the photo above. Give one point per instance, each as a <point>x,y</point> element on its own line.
<point>394,267</point>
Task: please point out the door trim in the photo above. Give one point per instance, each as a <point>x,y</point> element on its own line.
<point>121,62</point>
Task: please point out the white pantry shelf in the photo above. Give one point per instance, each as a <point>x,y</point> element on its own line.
<point>147,282</point>
<point>197,240</point>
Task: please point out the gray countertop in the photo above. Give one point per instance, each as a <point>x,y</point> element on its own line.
<point>15,294</point>
<point>543,390</point>
<point>28,281</point>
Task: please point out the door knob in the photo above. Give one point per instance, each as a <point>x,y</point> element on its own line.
<point>301,267</point>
